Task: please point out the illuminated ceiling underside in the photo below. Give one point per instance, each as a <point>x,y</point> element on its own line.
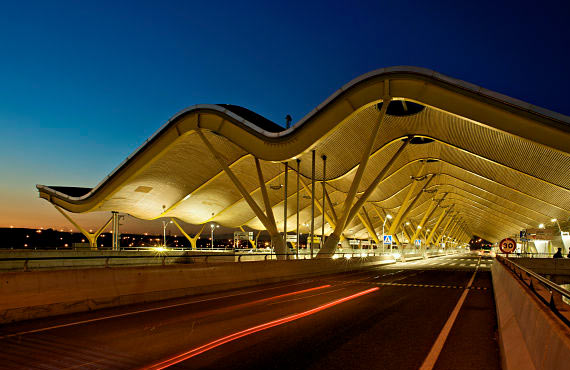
<point>504,164</point>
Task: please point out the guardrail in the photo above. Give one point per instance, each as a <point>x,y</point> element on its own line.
<point>193,256</point>
<point>164,259</point>
<point>552,295</point>
<point>526,255</point>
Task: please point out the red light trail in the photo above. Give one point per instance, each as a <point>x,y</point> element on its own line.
<point>240,334</point>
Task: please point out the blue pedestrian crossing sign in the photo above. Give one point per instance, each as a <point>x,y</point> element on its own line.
<point>388,239</point>
<point>418,242</point>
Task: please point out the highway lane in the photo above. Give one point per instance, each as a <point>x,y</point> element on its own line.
<point>387,317</point>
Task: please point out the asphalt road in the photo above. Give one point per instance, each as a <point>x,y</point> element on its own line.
<point>437,313</point>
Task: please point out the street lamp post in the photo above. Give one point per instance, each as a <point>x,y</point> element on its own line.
<point>164,224</point>
<point>420,245</point>
<point>388,217</point>
<point>212,227</point>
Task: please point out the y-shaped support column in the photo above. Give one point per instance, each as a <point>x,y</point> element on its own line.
<point>409,207</point>
<point>365,219</point>
<point>267,218</point>
<point>253,242</point>
<point>431,209</point>
<point>91,237</point>
<point>452,219</point>
<point>332,241</point>
<point>413,185</point>
<point>193,240</point>
<point>351,212</point>
<point>443,214</point>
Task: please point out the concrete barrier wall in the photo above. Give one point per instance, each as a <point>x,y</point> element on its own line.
<point>35,294</point>
<point>531,336</point>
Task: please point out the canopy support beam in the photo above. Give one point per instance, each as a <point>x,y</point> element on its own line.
<point>330,246</point>
<point>91,237</point>
<point>267,220</point>
<point>193,240</point>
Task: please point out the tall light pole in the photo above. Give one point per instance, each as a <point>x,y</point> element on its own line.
<point>164,224</point>
<point>419,246</point>
<point>212,227</point>
<point>388,217</point>
<point>560,229</point>
<point>554,220</point>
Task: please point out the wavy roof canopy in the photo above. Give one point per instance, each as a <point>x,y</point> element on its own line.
<point>504,164</point>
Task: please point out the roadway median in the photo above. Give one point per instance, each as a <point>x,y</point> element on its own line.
<point>43,293</point>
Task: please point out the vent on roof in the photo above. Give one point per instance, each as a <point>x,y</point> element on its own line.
<point>143,189</point>
<point>402,108</point>
<point>420,140</point>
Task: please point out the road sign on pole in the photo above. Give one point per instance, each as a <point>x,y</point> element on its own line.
<point>507,245</point>
<point>388,239</point>
<point>243,235</point>
<point>292,238</point>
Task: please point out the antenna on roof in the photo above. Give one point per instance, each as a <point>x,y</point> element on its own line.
<point>288,120</point>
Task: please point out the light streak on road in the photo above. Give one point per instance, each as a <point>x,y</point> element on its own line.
<point>240,334</point>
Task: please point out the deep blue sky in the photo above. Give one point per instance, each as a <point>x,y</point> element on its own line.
<point>82,84</point>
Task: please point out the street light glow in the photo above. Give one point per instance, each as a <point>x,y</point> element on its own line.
<point>389,217</point>
<point>553,220</point>
<point>541,226</point>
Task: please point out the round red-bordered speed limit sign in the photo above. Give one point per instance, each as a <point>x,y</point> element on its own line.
<point>507,245</point>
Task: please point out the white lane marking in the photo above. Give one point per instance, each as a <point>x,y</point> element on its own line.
<point>435,351</point>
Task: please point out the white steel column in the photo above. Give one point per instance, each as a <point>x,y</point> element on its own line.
<point>312,234</point>
<point>324,157</point>
<point>116,235</point>
<point>285,213</point>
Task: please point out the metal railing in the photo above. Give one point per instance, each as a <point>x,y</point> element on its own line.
<point>161,259</point>
<point>527,255</point>
<point>29,263</point>
<point>551,294</point>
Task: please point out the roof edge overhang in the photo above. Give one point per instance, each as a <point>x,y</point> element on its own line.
<point>421,85</point>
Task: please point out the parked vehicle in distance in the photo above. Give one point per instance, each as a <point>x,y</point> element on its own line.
<point>486,252</point>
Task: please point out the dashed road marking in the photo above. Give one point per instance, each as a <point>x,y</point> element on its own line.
<point>432,286</point>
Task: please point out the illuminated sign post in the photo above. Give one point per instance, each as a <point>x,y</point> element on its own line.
<point>507,246</point>
<point>292,238</point>
<point>242,235</point>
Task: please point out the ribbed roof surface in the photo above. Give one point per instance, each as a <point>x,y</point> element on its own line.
<point>505,165</point>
